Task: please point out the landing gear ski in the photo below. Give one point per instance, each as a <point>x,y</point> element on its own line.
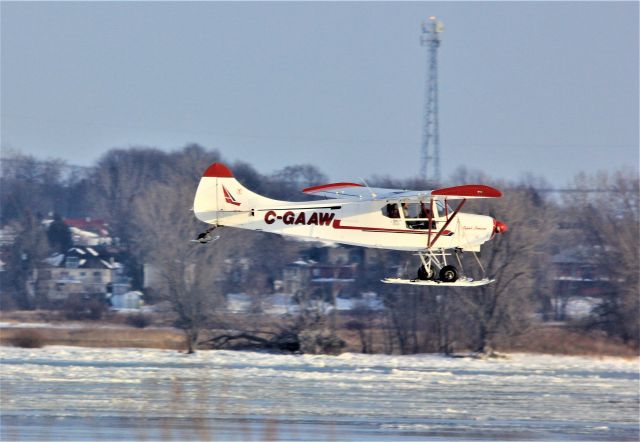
<point>447,274</point>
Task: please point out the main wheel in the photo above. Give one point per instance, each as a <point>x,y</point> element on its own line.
<point>425,273</point>
<point>448,274</point>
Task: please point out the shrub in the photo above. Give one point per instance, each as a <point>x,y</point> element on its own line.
<point>315,342</point>
<point>138,320</point>
<point>80,309</point>
<point>27,339</point>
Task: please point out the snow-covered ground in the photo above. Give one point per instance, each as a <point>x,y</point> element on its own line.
<point>123,394</point>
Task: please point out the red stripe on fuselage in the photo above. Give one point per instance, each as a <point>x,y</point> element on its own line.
<point>337,224</point>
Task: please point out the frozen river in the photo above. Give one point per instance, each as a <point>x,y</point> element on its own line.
<point>68,393</point>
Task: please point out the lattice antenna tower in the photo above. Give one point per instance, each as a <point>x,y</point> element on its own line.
<point>430,155</point>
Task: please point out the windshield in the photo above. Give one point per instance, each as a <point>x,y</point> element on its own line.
<point>416,210</point>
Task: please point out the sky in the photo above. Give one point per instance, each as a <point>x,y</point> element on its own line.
<point>542,88</point>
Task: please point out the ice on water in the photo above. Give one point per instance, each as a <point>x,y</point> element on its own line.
<point>351,396</point>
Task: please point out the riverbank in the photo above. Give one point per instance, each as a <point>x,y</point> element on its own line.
<point>43,329</point>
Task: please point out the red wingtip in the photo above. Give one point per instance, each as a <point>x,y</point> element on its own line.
<point>218,170</point>
<point>469,190</point>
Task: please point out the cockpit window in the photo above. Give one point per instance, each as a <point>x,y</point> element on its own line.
<point>440,207</point>
<point>391,211</point>
<point>417,216</point>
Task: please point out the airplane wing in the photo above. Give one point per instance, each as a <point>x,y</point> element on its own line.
<point>363,193</point>
<point>467,191</point>
<point>339,190</point>
<point>360,192</point>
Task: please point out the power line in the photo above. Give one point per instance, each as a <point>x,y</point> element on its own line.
<point>70,168</point>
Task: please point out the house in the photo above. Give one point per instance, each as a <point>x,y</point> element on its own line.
<point>85,231</point>
<point>296,276</point>
<point>272,304</point>
<point>578,284</point>
<point>81,271</point>
<point>306,274</point>
<point>8,236</point>
<point>88,231</point>
<point>131,300</point>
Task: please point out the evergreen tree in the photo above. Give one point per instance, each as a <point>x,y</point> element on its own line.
<point>59,235</point>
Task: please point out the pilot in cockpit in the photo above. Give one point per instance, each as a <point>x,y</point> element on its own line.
<point>405,210</point>
<point>424,211</point>
<point>392,211</point>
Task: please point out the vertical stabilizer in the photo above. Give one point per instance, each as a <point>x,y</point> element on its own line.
<point>220,195</point>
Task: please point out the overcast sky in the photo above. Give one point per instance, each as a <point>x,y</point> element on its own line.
<point>546,88</point>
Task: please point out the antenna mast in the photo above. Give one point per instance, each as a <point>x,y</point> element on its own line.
<point>430,159</point>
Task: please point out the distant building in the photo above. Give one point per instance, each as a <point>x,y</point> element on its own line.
<point>126,301</point>
<point>296,276</point>
<point>308,275</point>
<point>578,284</point>
<point>283,303</point>
<point>236,270</point>
<point>274,304</point>
<point>8,235</point>
<point>80,271</point>
<point>88,231</point>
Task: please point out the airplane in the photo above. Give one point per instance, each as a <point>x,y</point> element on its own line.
<point>422,222</point>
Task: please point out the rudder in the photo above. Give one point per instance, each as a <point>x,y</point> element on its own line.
<point>220,194</point>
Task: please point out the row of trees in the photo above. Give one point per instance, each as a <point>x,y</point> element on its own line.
<point>146,195</point>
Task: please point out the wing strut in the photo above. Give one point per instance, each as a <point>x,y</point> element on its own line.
<point>430,220</point>
<point>449,219</point>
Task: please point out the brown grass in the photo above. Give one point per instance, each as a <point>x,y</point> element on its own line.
<point>565,341</point>
<point>113,332</point>
<point>102,337</point>
<point>27,339</point>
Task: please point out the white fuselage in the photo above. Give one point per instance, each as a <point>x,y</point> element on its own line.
<point>361,223</point>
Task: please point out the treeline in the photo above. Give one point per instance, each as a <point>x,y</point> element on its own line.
<point>146,195</point>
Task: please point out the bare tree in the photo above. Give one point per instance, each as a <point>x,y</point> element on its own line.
<point>192,277</point>
<point>28,182</point>
<point>288,183</point>
<point>607,214</point>
<point>188,274</point>
<point>31,247</point>
<point>404,317</point>
<point>121,176</point>
<point>442,319</point>
<point>517,260</point>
